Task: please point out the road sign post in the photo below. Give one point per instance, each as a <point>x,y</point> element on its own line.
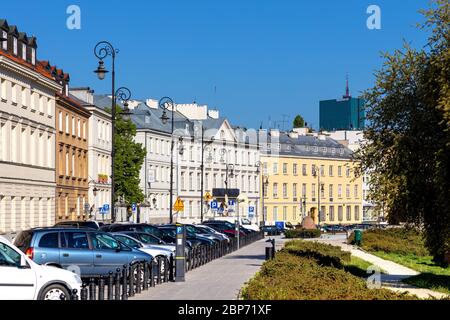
<point>180,258</point>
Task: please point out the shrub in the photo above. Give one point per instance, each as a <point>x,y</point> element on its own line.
<point>302,233</point>
<point>324,254</point>
<point>402,241</point>
<point>291,277</point>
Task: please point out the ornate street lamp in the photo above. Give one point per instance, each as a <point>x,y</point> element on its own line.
<point>165,103</point>
<point>102,50</point>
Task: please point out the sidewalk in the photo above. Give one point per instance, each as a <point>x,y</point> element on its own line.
<point>394,272</point>
<point>221,279</point>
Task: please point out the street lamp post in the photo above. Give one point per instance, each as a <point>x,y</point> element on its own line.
<point>319,189</point>
<point>164,103</point>
<point>102,50</point>
<point>202,167</point>
<point>228,167</point>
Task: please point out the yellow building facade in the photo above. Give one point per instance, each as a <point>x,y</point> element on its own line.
<point>306,174</point>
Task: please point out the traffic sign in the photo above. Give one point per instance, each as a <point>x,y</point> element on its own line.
<point>87,207</point>
<point>214,205</point>
<point>251,209</point>
<point>231,202</point>
<point>208,196</point>
<point>133,207</point>
<point>106,207</point>
<point>179,205</point>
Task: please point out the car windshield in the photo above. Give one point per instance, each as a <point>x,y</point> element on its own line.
<point>8,256</point>
<point>105,242</point>
<point>149,239</point>
<point>245,221</point>
<point>128,241</point>
<point>170,232</point>
<point>153,230</point>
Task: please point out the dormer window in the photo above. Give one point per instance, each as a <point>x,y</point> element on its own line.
<point>5,43</point>
<point>15,46</point>
<point>24,51</point>
<point>33,56</point>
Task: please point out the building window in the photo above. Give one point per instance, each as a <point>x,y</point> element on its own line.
<point>330,191</point>
<point>24,97</point>
<point>304,190</point>
<point>275,190</point>
<point>67,123</point>
<point>285,192</point>
<point>84,130</point>
<point>191,181</point>
<point>3,88</point>
<point>340,214</point>
<point>79,128</point>
<point>73,165</point>
<point>5,43</point>
<point>294,169</point>
<point>356,213</point>
<point>313,192</point>
<point>322,170</point>
<point>67,163</point>
<point>347,191</point>
<point>339,191</point>
<point>24,51</point>
<point>330,171</point>
<point>60,122</point>
<point>285,170</point>
<point>73,127</point>
<point>275,213</point>
<point>349,213</point>
<point>33,56</point>
<point>347,172</point>
<point>294,190</point>
<point>356,191</point>
<point>15,46</point>
<point>331,213</point>
<point>275,168</point>
<point>284,213</point>
<point>294,213</point>
<point>339,171</point>
<point>199,180</point>
<point>14,93</point>
<point>183,181</point>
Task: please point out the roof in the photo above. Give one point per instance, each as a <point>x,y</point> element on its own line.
<point>307,146</point>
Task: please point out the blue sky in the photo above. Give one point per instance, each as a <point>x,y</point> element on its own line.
<point>266,58</point>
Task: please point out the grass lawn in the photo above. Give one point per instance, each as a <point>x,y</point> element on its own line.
<point>358,267</point>
<point>432,277</point>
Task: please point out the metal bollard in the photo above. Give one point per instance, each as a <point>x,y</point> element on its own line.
<point>268,253</point>
<point>74,295</point>
<point>101,289</point>
<point>124,282</point>
<point>84,292</point>
<point>166,269</point>
<point>138,277</point>
<point>131,282</point>
<point>171,267</point>
<point>92,289</point>
<point>158,271</point>
<point>152,272</point>
<point>117,284</point>
<point>110,286</point>
<point>145,284</point>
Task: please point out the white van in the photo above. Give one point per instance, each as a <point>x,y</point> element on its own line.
<point>244,222</point>
<point>23,279</point>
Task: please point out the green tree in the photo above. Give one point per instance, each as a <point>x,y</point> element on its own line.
<point>129,158</point>
<point>408,134</point>
<point>299,122</point>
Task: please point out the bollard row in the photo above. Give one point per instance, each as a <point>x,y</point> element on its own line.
<point>140,276</point>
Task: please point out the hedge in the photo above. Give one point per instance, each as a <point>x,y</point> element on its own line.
<point>302,233</point>
<point>324,254</point>
<point>402,241</point>
<point>291,277</point>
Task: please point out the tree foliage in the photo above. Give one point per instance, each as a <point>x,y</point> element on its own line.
<point>299,122</point>
<point>408,133</point>
<point>129,157</point>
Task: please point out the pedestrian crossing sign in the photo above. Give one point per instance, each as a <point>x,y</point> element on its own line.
<point>179,205</point>
<point>208,196</point>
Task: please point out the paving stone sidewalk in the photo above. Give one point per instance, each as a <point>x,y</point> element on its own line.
<point>394,273</point>
<point>221,279</point>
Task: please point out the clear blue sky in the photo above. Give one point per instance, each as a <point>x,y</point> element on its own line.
<point>266,58</point>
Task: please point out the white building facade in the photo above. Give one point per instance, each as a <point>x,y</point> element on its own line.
<point>99,154</point>
<point>27,135</point>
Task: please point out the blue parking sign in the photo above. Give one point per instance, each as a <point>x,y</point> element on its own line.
<point>251,209</point>
<point>214,205</point>
<point>106,207</point>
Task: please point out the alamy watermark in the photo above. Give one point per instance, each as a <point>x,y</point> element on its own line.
<point>374,279</point>
<point>73,21</point>
<point>374,20</point>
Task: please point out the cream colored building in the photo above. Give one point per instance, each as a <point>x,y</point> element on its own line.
<point>303,173</point>
<point>27,135</point>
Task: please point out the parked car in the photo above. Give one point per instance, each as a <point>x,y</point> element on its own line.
<point>191,236</point>
<point>198,231</point>
<point>23,279</point>
<point>244,222</point>
<point>79,224</point>
<point>135,244</point>
<point>141,227</point>
<point>170,235</point>
<point>224,227</point>
<point>271,230</point>
<point>210,230</point>
<point>91,252</point>
<point>148,240</point>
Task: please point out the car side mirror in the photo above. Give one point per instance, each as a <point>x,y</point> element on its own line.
<point>118,249</point>
<point>160,241</point>
<point>23,263</point>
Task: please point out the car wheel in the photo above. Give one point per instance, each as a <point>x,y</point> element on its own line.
<point>54,292</point>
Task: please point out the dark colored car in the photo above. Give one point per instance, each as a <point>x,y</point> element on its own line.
<point>190,236</point>
<point>78,224</point>
<point>140,227</point>
<point>271,230</point>
<point>91,252</point>
<point>224,227</point>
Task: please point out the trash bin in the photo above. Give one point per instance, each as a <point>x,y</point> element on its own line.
<point>358,237</point>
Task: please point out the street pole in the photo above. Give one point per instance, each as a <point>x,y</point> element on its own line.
<point>201,183</point>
